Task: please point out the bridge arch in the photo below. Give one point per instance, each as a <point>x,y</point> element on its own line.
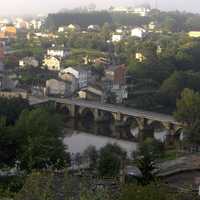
<point>160,130</point>
<point>87,118</point>
<point>179,133</point>
<point>157,126</point>
<point>87,114</point>
<point>63,109</point>
<point>107,116</point>
<point>133,125</point>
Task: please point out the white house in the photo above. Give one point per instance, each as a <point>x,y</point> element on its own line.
<point>117,37</point>
<point>43,35</point>
<point>119,30</point>
<point>36,24</point>
<point>93,27</point>
<point>21,24</point>
<point>73,27</point>
<point>121,9</point>
<point>52,63</point>
<point>194,34</point>
<point>81,74</point>
<point>139,10</point>
<point>142,11</point>
<point>140,57</point>
<point>28,62</point>
<point>59,52</point>
<point>152,25</point>
<point>62,29</point>
<point>159,49</point>
<point>138,32</point>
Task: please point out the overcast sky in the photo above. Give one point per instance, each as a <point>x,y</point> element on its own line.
<point>44,6</point>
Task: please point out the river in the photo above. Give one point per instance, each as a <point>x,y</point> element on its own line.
<point>78,141</point>
<point>80,135</point>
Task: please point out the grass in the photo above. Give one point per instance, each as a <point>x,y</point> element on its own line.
<point>91,52</point>
<point>170,155</point>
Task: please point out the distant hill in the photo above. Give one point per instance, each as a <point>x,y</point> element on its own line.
<point>167,21</point>
<point>84,19</point>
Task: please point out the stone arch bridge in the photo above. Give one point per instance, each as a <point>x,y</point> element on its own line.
<point>139,119</point>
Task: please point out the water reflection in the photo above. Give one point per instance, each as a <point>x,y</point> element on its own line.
<point>77,142</point>
<point>116,130</point>
<point>102,127</point>
<point>83,132</point>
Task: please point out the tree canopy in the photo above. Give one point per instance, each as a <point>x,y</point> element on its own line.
<point>34,139</point>
<point>149,192</point>
<point>39,137</point>
<point>188,107</point>
<point>110,160</point>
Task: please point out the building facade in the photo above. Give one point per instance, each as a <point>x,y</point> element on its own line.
<point>28,62</point>
<point>58,52</point>
<point>52,63</point>
<point>55,87</point>
<point>116,74</point>
<point>138,32</point>
<point>81,74</point>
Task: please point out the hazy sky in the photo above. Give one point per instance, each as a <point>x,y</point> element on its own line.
<point>45,6</point>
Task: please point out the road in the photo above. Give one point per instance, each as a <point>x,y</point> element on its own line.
<point>107,107</point>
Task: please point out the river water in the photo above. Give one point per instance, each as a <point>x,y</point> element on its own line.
<point>80,135</point>
<point>78,141</point>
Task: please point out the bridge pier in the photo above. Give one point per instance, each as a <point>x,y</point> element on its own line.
<point>115,132</point>
<point>143,128</point>
<point>96,113</point>
<point>72,110</point>
<point>117,116</point>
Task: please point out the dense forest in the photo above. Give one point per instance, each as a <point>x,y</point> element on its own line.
<point>82,19</point>
<point>170,21</point>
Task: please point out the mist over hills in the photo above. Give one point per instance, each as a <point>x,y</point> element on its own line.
<point>22,7</point>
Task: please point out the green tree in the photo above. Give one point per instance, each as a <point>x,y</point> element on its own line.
<point>188,107</point>
<point>100,194</point>
<point>149,192</point>
<point>153,147</point>
<point>111,158</point>
<point>39,139</point>
<point>193,135</point>
<point>11,61</point>
<point>149,152</point>
<point>38,186</point>
<point>7,144</point>
<point>92,155</point>
<point>12,108</point>
<point>172,87</point>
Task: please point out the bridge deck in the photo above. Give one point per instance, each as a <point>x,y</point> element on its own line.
<point>108,107</point>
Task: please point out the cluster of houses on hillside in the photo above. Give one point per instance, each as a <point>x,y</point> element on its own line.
<point>124,32</point>
<point>138,10</point>
<point>20,23</point>
<point>81,81</point>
